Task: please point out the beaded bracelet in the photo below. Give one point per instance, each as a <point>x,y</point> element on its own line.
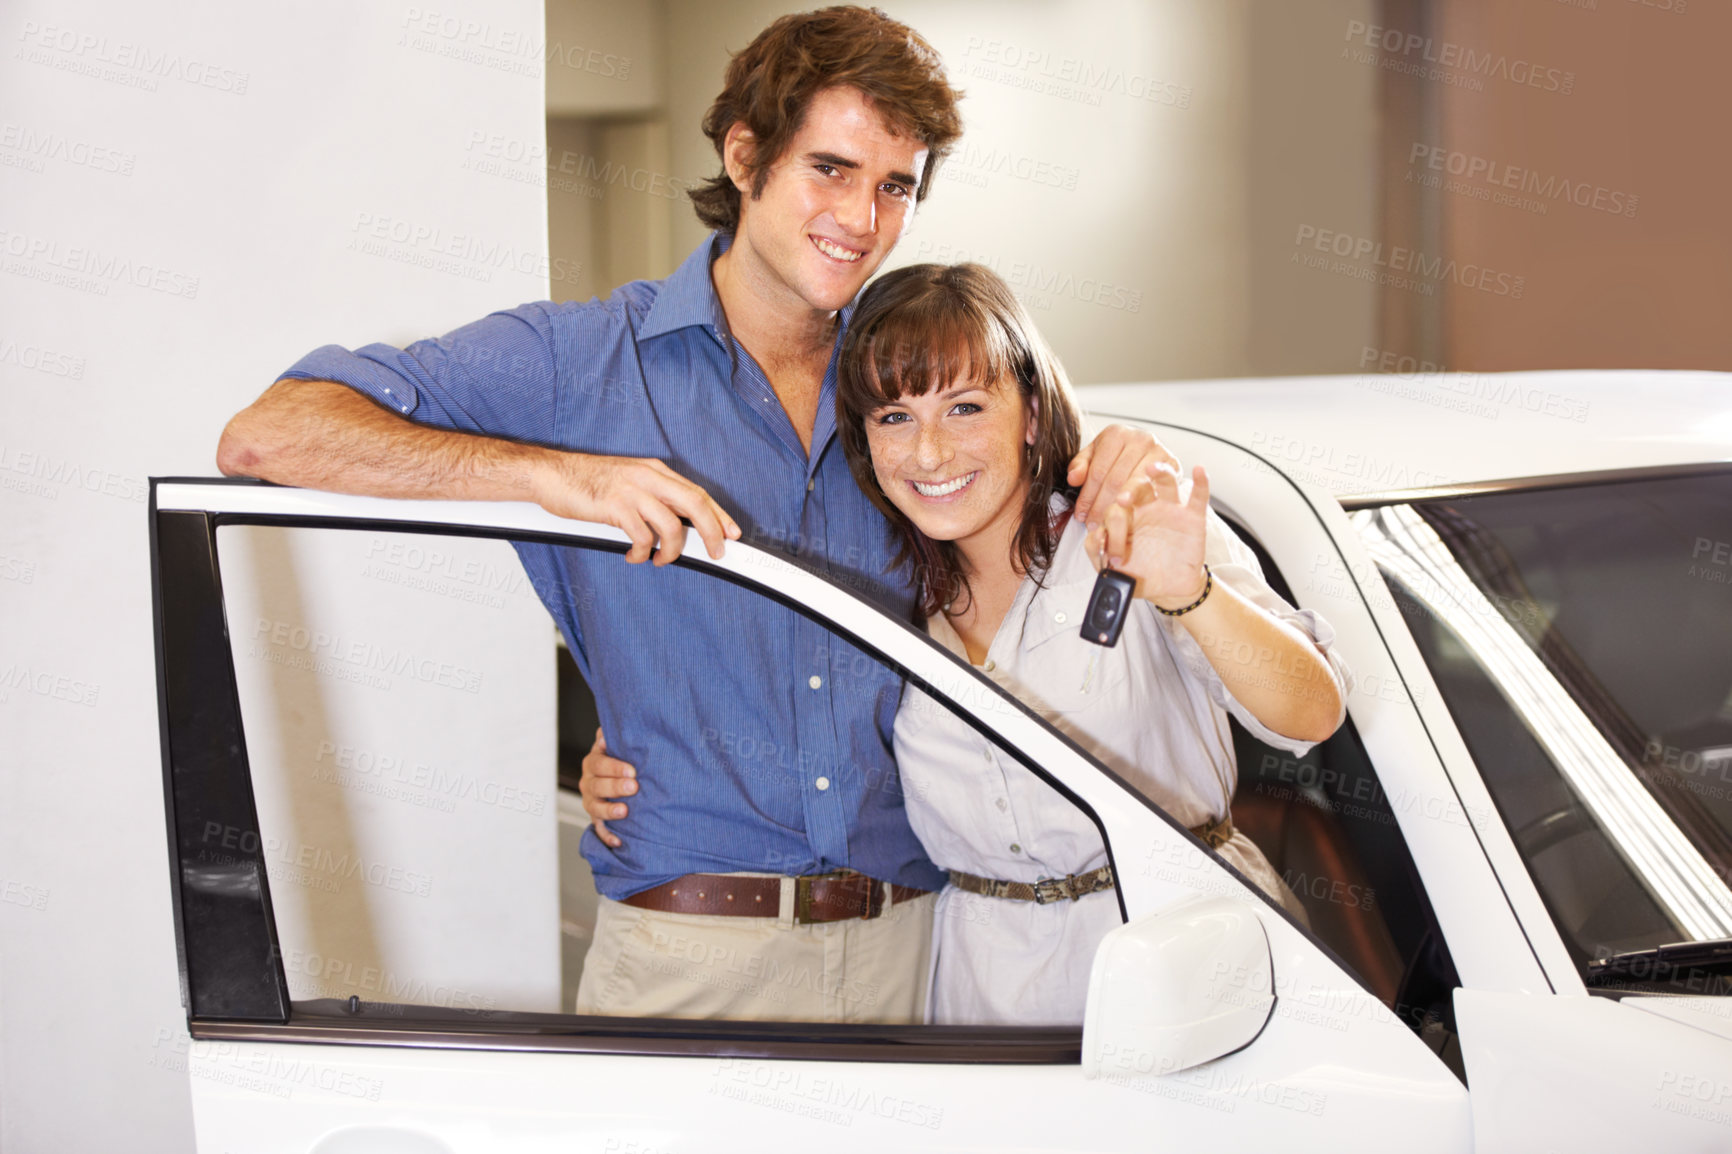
<point>1208,584</point>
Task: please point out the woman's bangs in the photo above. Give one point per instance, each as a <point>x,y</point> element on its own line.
<point>915,350</point>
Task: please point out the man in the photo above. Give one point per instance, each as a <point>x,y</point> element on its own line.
<point>633,411</point>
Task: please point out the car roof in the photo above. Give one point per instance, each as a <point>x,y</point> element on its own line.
<point>1375,433</point>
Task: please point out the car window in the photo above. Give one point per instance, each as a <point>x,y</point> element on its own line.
<point>1329,827</point>
<point>414,724</point>
<point>1581,637</point>
<point>402,763</point>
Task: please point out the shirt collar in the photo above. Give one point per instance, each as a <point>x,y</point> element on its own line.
<point>688,297</point>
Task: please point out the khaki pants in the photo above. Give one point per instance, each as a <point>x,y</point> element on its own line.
<point>644,963</point>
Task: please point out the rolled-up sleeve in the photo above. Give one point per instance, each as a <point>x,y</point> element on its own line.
<point>496,376</point>
<point>1233,563</point>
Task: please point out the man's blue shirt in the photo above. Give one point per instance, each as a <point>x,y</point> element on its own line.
<point>762,741</point>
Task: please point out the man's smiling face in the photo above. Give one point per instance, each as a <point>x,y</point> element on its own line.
<point>833,205</point>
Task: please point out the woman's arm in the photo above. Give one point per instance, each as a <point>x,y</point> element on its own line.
<point>1269,666</point>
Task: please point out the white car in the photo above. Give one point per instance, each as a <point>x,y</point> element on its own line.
<point>1515,855</point>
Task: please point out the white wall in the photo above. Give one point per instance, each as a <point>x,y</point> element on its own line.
<point>188,195</point>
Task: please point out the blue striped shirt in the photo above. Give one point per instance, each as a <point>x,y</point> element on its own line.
<point>762,741</point>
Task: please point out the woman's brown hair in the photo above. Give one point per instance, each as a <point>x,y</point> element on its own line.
<point>770,85</point>
<point>924,327</point>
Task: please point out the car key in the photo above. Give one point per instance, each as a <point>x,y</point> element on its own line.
<point>1109,605</point>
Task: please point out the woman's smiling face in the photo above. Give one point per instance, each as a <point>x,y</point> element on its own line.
<point>954,461</point>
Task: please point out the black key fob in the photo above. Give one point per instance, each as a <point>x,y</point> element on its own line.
<point>1109,605</point>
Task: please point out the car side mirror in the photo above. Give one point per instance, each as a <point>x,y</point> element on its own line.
<point>1178,988</point>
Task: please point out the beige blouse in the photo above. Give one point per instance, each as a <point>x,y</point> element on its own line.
<point>1152,708</point>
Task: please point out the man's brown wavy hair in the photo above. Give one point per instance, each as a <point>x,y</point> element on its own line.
<point>770,85</point>
<point>924,327</point>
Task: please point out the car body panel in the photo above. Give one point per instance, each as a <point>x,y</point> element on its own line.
<point>1571,1073</point>
<point>1374,433</point>
<point>481,1102</point>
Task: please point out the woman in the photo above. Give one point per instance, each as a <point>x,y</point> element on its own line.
<point>959,423</point>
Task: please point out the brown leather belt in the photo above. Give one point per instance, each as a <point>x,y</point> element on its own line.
<point>831,897</point>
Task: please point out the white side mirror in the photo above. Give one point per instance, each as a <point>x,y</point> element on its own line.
<point>1178,988</point>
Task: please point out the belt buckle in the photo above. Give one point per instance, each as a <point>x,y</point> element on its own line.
<point>803,897</point>
<point>1052,890</point>
<point>872,894</point>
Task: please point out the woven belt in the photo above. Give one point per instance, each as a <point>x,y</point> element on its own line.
<point>1043,891</point>
<point>831,897</point>
<point>1216,833</point>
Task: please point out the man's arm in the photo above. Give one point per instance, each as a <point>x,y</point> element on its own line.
<point>325,435</point>
<point>1109,464</point>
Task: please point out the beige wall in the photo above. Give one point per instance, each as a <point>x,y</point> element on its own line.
<point>1266,213</point>
<point>1642,128</point>
<point>611,201</point>
<point>1145,219</point>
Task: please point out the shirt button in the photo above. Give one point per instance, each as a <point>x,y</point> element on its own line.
<point>815,681</point>
<point>990,665</point>
<point>1058,617</point>
<point>822,783</point>
<point>1014,848</point>
<point>1002,803</point>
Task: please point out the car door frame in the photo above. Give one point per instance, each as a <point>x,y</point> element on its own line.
<point>1489,912</point>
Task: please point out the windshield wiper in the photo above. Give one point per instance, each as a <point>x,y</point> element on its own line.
<point>1667,965</point>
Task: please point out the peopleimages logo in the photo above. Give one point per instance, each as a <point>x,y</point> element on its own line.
<point>1413,54</point>
<point>463,254</point>
<point>1497,176</point>
<point>976,164</point>
<point>41,359</point>
<point>136,64</point>
<point>505,49</point>
<point>355,658</point>
<point>89,269</point>
<point>1406,263</point>
<point>39,145</point>
<point>1035,285</point>
<point>1069,77</point>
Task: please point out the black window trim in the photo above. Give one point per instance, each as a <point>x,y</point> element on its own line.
<point>331,1021</point>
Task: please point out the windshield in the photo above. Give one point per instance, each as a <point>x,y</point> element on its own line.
<point>1581,638</point>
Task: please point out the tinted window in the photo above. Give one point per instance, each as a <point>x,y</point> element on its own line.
<point>1582,640</point>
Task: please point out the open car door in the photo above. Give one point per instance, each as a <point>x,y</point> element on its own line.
<point>347,990</point>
